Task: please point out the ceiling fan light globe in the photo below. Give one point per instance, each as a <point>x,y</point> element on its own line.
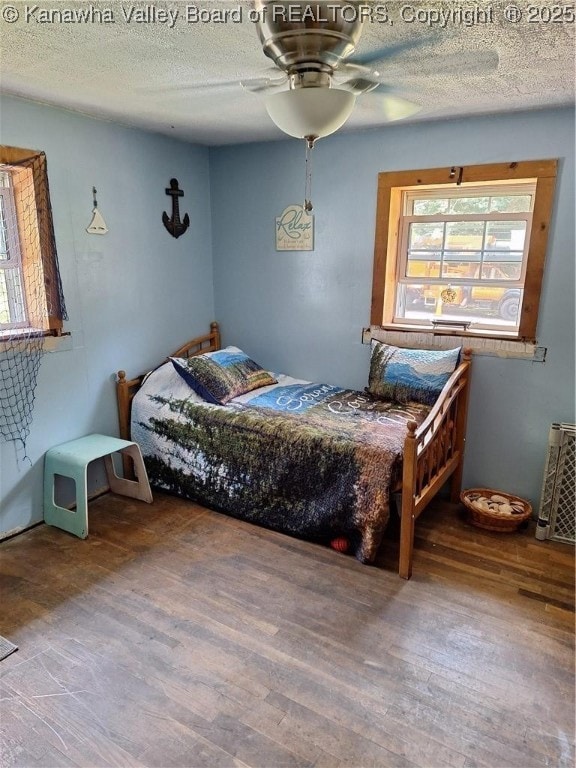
<point>315,112</point>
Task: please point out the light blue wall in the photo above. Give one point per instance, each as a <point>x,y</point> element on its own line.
<point>302,313</point>
<point>135,293</point>
<point>132,295</point>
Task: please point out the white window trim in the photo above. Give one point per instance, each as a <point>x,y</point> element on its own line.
<point>14,262</point>
<point>526,188</point>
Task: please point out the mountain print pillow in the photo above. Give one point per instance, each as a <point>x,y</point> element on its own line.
<point>220,376</point>
<point>403,375</point>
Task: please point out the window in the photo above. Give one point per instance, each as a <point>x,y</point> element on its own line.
<point>31,300</point>
<point>462,249</point>
<point>12,307</point>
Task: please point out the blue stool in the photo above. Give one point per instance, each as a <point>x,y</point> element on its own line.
<point>71,460</point>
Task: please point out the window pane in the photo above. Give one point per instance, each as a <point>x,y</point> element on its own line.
<point>429,207</point>
<point>473,303</point>
<point>425,237</point>
<point>424,250</point>
<point>511,203</point>
<point>505,236</point>
<point>503,270</point>
<point>4,253</point>
<point>420,264</point>
<point>469,205</point>
<point>4,306</point>
<point>11,297</point>
<point>465,236</point>
<point>410,301</point>
<point>461,269</point>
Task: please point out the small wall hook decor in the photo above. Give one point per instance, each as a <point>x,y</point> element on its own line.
<point>173,224</point>
<point>97,226</point>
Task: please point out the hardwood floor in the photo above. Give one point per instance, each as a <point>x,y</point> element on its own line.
<point>175,636</point>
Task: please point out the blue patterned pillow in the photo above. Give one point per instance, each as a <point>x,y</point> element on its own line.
<point>220,376</point>
<point>402,375</point>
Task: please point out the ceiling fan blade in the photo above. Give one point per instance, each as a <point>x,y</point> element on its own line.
<point>193,86</point>
<point>396,108</point>
<point>381,55</point>
<point>359,85</point>
<point>257,84</point>
<point>455,64</point>
<point>391,106</point>
<point>274,78</point>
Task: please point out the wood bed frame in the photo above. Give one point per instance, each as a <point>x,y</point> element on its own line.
<point>433,452</point>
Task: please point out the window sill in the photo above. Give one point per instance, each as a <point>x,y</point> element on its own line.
<point>60,343</point>
<point>428,338</point>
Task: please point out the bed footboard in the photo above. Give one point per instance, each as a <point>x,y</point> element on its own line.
<point>433,453</point>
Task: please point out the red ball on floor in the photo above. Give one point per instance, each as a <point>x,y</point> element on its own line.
<point>340,544</point>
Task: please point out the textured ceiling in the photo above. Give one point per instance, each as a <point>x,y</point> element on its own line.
<point>180,77</point>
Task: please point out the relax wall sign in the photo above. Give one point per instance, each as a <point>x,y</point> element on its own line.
<point>294,230</point>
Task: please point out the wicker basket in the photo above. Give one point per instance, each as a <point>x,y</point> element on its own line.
<point>495,520</point>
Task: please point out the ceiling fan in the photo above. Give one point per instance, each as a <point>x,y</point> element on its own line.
<point>313,86</point>
<point>312,45</point>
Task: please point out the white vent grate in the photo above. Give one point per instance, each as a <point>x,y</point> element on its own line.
<point>557,515</point>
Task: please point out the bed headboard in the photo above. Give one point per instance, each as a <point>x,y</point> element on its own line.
<point>127,388</point>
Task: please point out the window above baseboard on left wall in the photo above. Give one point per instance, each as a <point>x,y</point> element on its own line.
<point>30,287</point>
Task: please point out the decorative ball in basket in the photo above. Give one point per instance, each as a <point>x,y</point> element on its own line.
<point>495,510</point>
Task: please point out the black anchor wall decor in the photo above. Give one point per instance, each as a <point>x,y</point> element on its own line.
<point>174,225</point>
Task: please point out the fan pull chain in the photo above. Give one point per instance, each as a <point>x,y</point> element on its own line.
<point>308,184</point>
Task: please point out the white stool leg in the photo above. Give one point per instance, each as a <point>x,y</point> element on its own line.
<point>135,489</point>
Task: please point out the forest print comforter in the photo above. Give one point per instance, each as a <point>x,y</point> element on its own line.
<point>311,460</point>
